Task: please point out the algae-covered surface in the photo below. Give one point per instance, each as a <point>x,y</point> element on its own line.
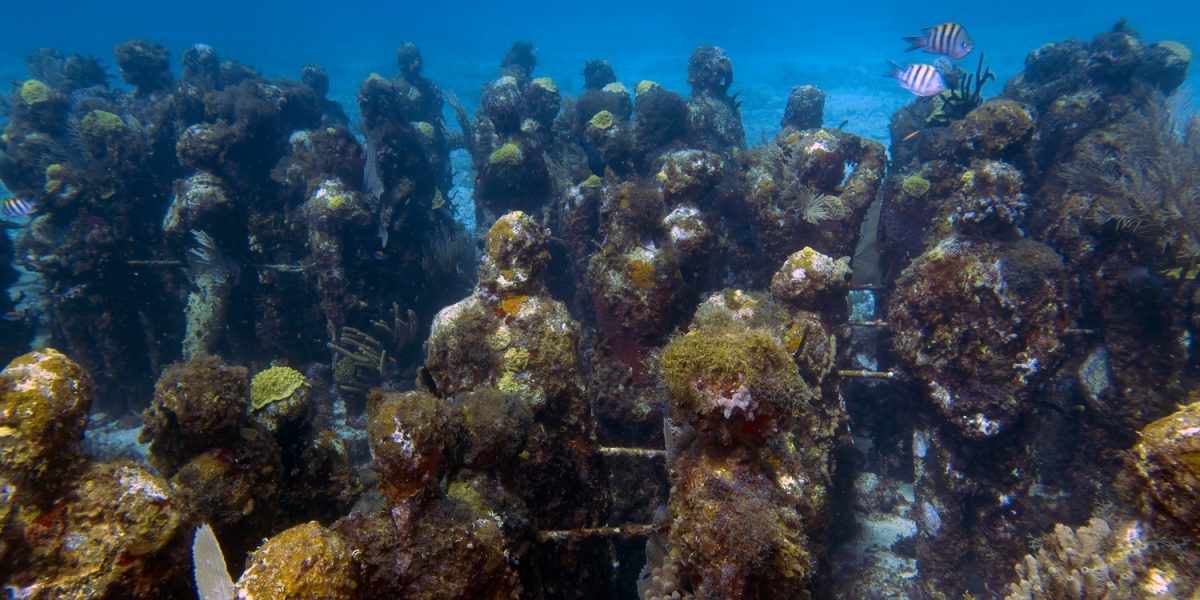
<point>599,301</point>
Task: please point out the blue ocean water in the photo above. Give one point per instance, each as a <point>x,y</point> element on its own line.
<point>841,47</point>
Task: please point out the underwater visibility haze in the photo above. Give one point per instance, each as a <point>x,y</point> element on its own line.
<point>622,300</point>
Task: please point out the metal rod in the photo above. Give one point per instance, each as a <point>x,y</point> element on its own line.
<point>180,263</point>
<point>284,268</point>
<point>566,535</point>
<point>638,452</point>
<point>866,374</point>
<point>155,263</point>
<point>876,323</point>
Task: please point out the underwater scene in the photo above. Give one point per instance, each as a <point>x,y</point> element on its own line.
<point>617,301</point>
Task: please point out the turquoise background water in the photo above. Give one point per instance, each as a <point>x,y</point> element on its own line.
<point>840,46</point>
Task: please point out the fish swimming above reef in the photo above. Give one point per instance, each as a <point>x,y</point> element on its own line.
<point>19,208</point>
<point>922,80</point>
<point>947,39</point>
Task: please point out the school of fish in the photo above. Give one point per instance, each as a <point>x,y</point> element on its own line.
<point>950,40</point>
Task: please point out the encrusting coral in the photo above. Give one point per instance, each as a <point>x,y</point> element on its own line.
<point>43,412</point>
<point>304,562</point>
<point>74,527</point>
<point>1166,471</point>
<point>275,384</point>
<point>283,397</point>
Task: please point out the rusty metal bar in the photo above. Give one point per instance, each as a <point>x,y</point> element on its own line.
<point>637,452</point>
<point>863,374</point>
<point>155,263</point>
<point>571,535</point>
<point>166,263</point>
<point>875,323</point>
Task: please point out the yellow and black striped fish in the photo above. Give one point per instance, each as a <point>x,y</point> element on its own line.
<point>947,39</point>
<point>19,208</point>
<point>922,80</point>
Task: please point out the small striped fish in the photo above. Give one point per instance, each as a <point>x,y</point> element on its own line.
<point>947,39</point>
<point>19,208</point>
<point>922,80</point>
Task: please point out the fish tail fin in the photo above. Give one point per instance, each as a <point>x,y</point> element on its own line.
<point>894,70</point>
<point>915,42</point>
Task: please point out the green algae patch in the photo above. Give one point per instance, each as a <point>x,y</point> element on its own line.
<point>35,92</point>
<point>616,87</point>
<point>602,120</point>
<point>508,155</point>
<point>516,359</point>
<point>1178,51</point>
<point>499,237</point>
<point>337,201</point>
<point>915,186</point>
<point>273,385</point>
<point>101,123</point>
<point>642,275</point>
<point>704,367</point>
<point>644,86</point>
<point>546,84</point>
<point>463,493</point>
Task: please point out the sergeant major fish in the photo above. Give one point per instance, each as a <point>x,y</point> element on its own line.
<point>19,208</point>
<point>949,39</point>
<point>922,80</point>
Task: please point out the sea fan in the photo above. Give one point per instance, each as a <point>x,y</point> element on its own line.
<point>46,65</point>
<point>371,179</point>
<point>212,576</point>
<point>449,252</point>
<point>1142,176</point>
<point>467,141</point>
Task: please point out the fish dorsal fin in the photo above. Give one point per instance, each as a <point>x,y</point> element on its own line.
<point>212,577</point>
